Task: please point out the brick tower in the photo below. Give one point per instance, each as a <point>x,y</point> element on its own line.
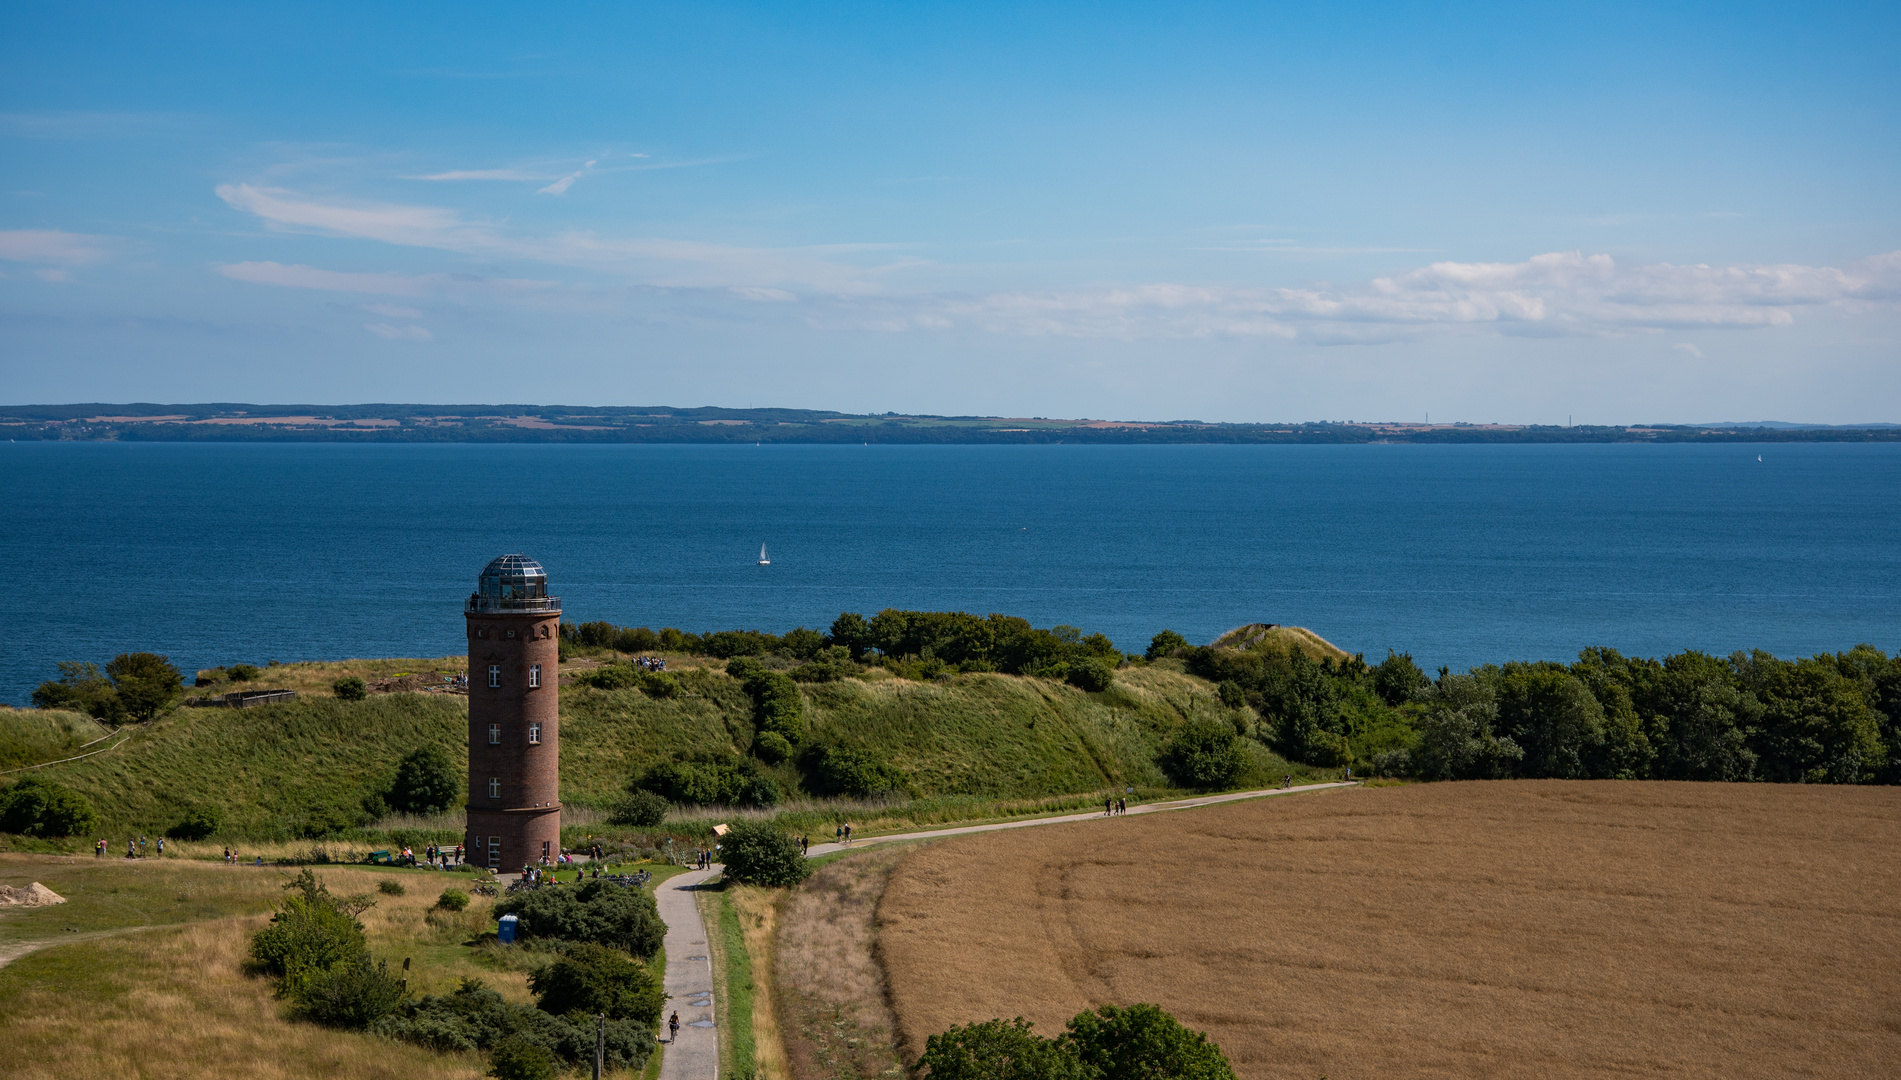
<point>514,732</point>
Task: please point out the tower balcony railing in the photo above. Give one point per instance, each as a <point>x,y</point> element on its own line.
<point>486,605</point>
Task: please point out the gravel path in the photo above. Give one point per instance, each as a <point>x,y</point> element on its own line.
<point>694,1055</point>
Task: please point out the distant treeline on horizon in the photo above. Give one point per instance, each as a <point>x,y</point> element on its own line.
<point>238,422</point>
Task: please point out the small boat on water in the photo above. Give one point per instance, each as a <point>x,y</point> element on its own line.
<point>763,561</point>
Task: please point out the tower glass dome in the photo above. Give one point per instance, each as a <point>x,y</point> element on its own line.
<point>513,583</point>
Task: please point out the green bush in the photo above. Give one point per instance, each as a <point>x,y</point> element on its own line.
<point>35,806</point>
<point>390,887</point>
<point>998,1050</point>
<point>599,912</point>
<point>1231,694</point>
<point>642,810</point>
<point>476,1018</point>
<point>755,853</point>
<point>778,704</point>
<point>452,900</point>
<point>833,770</point>
<point>1142,1042</point>
<point>354,992</point>
<point>772,748</point>
<point>311,931</point>
<point>520,1059</point>
<point>350,688</point>
<point>426,782</point>
<point>708,780</point>
<point>1205,756</point>
<point>1165,644</point>
<point>594,980</point>
<point>1093,676</point>
<point>147,683</point>
<point>241,672</point>
<point>199,822</point>
<point>81,687</point>
<point>659,684</point>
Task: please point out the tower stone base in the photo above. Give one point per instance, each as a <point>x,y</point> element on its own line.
<point>507,840</point>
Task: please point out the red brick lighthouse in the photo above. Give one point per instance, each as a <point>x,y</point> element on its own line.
<point>514,732</point>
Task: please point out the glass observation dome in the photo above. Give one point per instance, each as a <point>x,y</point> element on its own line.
<point>513,583</point>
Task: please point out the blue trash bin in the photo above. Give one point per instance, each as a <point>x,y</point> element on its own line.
<point>506,934</point>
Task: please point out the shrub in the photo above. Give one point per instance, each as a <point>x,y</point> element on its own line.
<point>598,912</point>
<point>83,688</point>
<point>1093,676</point>
<point>310,932</point>
<point>1142,1042</point>
<point>594,980</point>
<point>354,992</point>
<point>241,672</point>
<point>1398,680</point>
<point>199,822</point>
<point>1165,644</point>
<point>755,853</point>
<point>778,704</point>
<point>832,770</point>
<point>771,747</point>
<point>1205,756</point>
<point>803,644</point>
<point>350,688</point>
<point>520,1059</point>
<point>1231,694</point>
<point>998,1050</point>
<point>642,809</point>
<point>659,684</point>
<point>35,806</point>
<point>709,779</point>
<point>476,1018</point>
<point>426,782</point>
<point>390,887</point>
<point>452,900</point>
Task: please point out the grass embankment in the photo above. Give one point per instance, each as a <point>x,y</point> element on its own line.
<point>172,999</point>
<point>1513,928</point>
<point>976,746</point>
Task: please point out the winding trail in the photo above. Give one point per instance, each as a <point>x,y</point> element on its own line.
<point>689,980</point>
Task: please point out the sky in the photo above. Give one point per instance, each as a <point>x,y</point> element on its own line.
<point>1590,213</point>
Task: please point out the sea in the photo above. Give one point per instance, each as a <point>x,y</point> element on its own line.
<point>1459,555</point>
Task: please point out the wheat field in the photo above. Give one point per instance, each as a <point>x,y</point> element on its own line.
<point>1502,929</point>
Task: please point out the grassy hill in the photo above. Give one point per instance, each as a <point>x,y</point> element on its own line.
<point>298,769</point>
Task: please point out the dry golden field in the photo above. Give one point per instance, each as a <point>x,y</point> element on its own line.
<point>1522,928</point>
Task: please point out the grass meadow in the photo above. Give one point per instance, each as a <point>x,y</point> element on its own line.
<point>1489,929</point>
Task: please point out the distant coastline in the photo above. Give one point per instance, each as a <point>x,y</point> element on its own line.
<point>385,423</point>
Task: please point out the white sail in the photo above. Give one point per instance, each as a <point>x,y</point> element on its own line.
<point>763,561</point>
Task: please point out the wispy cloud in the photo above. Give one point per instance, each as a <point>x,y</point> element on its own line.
<point>561,186</point>
<point>393,311</point>
<point>481,174</point>
<point>399,333</point>
<point>1688,349</point>
<point>298,276</point>
<point>53,246</point>
<point>662,262</point>
<point>88,125</point>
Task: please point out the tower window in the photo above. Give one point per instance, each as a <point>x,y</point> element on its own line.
<point>511,633</point>
<point>534,734</point>
<point>495,734</point>
<point>534,675</point>
<point>494,788</point>
<point>495,674</point>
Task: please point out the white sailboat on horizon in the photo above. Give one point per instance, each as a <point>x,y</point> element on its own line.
<point>763,561</point>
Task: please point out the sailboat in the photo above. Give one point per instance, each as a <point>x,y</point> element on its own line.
<point>763,561</point>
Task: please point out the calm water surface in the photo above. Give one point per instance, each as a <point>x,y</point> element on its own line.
<point>1459,554</point>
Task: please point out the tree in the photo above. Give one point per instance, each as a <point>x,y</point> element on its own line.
<point>599,912</point>
<point>35,806</point>
<point>1549,713</point>
<point>1091,675</point>
<point>426,782</point>
<point>802,643</point>
<point>83,688</point>
<point>1165,644</point>
<point>593,980</point>
<point>837,770</point>
<point>147,683</point>
<point>1205,756</point>
<point>755,853</point>
<point>851,631</point>
<point>1142,1042</point>
<point>199,822</point>
<point>350,688</point>
<point>1456,738</point>
<point>998,1050</point>
<point>1398,680</point>
<point>311,931</point>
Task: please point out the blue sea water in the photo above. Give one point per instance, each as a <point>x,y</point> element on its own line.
<point>1460,555</point>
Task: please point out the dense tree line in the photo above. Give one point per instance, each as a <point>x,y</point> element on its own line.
<point>1832,718</point>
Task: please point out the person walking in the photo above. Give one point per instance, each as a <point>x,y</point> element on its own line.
<point>99,849</point>
<point>673,1027</point>
<point>1108,807</point>
<point>161,847</point>
<point>838,835</point>
<point>848,834</point>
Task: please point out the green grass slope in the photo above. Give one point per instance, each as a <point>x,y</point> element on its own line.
<point>281,772</point>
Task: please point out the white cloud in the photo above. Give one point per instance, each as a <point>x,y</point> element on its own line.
<point>393,311</point>
<point>1688,349</point>
<point>52,246</point>
<point>310,277</point>
<point>669,263</point>
<point>481,174</point>
<point>53,275</point>
<point>561,186</point>
<point>1559,294</point>
<point>399,333</point>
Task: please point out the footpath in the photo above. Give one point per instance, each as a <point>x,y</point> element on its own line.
<point>689,982</point>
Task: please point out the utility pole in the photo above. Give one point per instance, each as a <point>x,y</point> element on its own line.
<point>600,1044</point>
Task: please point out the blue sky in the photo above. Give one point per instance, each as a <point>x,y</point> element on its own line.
<point>1225,212</point>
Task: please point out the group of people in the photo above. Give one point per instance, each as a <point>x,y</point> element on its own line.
<point>134,847</point>
<point>650,663</point>
<point>1113,807</point>
<point>840,835</point>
